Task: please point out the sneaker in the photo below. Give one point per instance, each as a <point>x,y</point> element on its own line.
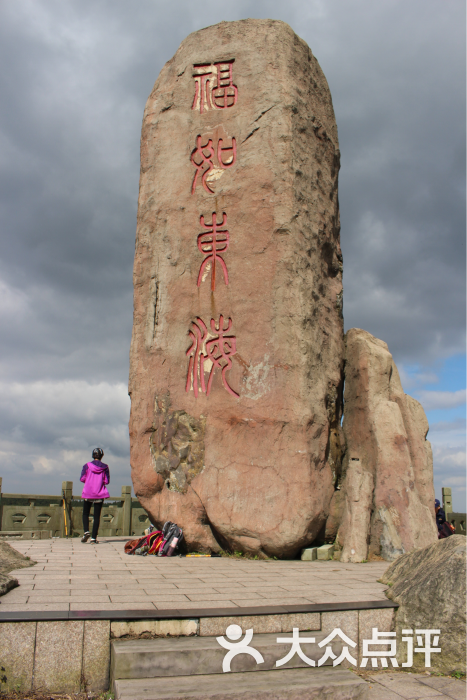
<point>93,541</point>
<point>85,537</point>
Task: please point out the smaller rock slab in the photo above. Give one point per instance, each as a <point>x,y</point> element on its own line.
<point>325,553</point>
<point>10,560</point>
<point>309,554</point>
<point>429,585</point>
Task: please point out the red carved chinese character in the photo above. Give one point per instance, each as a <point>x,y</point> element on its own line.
<point>202,90</point>
<point>206,160</point>
<point>225,94</point>
<point>212,242</point>
<point>232,148</point>
<point>208,96</point>
<point>196,363</point>
<point>202,158</point>
<point>219,350</point>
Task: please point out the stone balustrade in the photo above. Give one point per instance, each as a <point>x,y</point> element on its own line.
<point>31,516</point>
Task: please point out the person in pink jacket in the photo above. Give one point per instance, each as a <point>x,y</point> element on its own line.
<point>95,476</point>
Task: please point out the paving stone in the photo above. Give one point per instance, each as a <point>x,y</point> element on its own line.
<point>97,587</point>
<point>112,606</point>
<point>255,602</point>
<point>129,598</point>
<point>213,578</point>
<point>444,684</point>
<point>406,685</point>
<point>456,690</point>
<point>237,593</point>
<point>233,588</point>
<point>90,597</point>
<point>168,597</point>
<point>52,586</point>
<point>154,579</point>
<point>125,591</point>
<point>22,600</point>
<point>301,586</point>
<point>33,607</point>
<point>379,692</point>
<point>265,593</point>
<point>160,589</point>
<point>49,599</point>
<point>260,583</point>
<point>363,597</point>
<point>198,605</point>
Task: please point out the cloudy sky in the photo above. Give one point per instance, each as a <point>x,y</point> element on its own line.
<point>75,78</point>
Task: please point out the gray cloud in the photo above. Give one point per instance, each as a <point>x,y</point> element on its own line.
<point>457,425</point>
<point>435,400</point>
<point>48,430</point>
<point>75,80</point>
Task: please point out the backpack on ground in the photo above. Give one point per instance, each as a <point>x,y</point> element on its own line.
<point>148,544</point>
<point>173,536</point>
<point>446,530</point>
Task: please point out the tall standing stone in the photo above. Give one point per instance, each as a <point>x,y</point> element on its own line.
<point>387,486</point>
<point>237,349</point>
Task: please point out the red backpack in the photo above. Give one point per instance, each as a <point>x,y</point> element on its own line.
<point>148,544</point>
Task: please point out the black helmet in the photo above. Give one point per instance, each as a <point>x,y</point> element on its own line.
<point>97,453</point>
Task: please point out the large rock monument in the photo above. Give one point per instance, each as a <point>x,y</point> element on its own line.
<point>237,355</point>
<point>237,352</point>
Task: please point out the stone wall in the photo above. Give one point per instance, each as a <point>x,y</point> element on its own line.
<point>69,656</point>
<point>59,657</point>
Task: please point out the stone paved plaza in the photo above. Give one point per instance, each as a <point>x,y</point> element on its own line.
<point>387,685</point>
<point>70,575</point>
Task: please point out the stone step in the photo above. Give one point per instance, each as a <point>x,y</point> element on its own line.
<point>292,684</point>
<point>186,656</point>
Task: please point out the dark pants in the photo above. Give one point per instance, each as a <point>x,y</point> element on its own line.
<point>97,516</point>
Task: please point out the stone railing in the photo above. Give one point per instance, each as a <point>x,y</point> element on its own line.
<point>27,516</point>
<point>456,519</point>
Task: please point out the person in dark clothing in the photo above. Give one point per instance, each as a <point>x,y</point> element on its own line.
<point>95,476</point>
<point>440,514</point>
<point>444,527</point>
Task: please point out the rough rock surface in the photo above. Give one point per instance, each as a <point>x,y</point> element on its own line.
<point>236,439</point>
<point>388,504</point>
<point>429,585</point>
<point>10,560</point>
